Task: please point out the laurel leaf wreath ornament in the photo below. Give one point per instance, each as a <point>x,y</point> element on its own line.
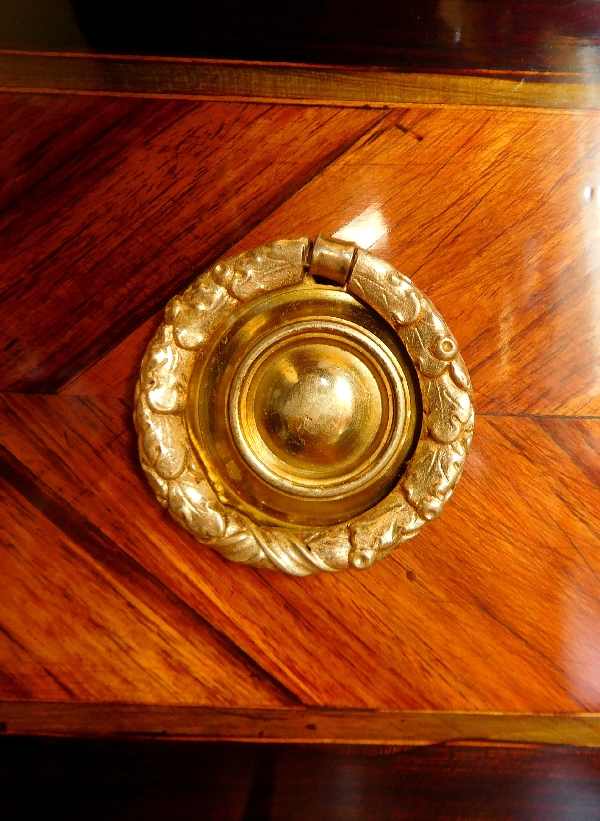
<point>181,481</point>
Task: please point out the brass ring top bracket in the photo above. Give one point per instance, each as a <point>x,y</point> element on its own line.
<point>303,407</point>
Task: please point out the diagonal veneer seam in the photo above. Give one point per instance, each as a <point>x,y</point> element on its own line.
<point>99,547</point>
<point>79,363</point>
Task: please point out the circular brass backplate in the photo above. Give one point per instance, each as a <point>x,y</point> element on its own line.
<point>293,423</point>
<point>304,409</point>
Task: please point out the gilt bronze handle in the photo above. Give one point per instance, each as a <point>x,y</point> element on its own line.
<point>303,407</point>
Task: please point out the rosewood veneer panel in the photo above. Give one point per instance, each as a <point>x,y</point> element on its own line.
<point>495,214</point>
<point>82,627</point>
<point>97,246</point>
<point>41,133</point>
<point>495,609</point>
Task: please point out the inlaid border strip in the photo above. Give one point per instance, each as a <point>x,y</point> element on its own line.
<point>227,80</point>
<point>308,725</point>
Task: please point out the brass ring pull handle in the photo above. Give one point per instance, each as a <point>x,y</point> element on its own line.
<point>303,407</point>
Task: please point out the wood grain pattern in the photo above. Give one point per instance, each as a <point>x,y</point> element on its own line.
<point>512,639</point>
<point>40,134</point>
<point>132,640</point>
<point>495,215</point>
<point>168,189</point>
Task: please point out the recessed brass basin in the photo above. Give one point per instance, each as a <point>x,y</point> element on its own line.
<point>303,407</point>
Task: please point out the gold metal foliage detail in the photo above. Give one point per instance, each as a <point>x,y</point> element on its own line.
<point>181,482</point>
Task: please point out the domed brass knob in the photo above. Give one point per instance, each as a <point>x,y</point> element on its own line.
<point>303,407</point>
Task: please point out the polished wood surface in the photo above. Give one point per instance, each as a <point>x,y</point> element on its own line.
<point>556,36</point>
<point>82,778</point>
<point>494,214</point>
<point>249,158</point>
